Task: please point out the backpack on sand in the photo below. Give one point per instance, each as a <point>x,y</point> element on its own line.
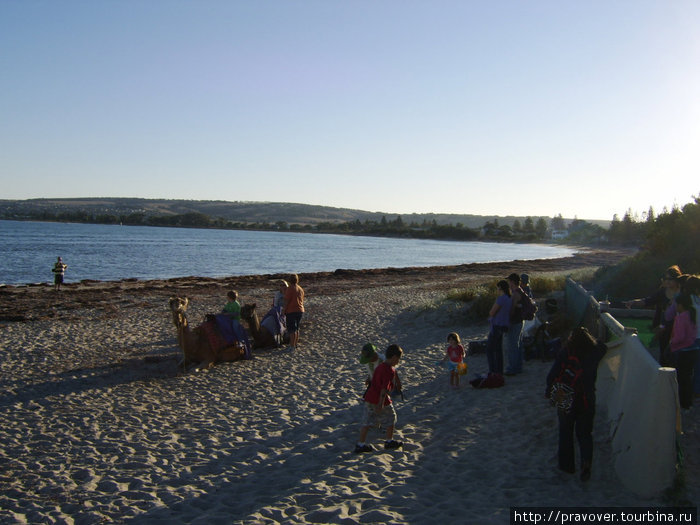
<point>568,383</point>
<point>493,380</point>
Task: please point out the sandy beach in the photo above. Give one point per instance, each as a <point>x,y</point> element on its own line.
<point>100,426</point>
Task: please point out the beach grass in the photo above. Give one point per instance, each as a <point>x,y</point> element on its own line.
<point>481,296</point>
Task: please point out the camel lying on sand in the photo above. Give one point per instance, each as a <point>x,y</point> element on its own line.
<point>262,337</point>
<point>194,343</point>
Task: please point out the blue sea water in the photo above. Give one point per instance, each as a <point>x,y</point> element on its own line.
<point>28,251</point>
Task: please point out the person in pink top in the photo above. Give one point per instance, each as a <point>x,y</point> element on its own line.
<point>454,356</point>
<point>683,347</point>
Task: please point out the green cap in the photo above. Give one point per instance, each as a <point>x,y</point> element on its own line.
<point>367,353</point>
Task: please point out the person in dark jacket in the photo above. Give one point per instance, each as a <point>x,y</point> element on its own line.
<point>579,418</point>
<point>664,310</point>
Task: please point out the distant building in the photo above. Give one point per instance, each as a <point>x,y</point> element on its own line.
<point>559,234</point>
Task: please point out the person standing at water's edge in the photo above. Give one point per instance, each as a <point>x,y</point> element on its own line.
<point>59,270</point>
<point>293,309</point>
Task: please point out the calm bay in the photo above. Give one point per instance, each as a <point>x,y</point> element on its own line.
<point>110,252</point>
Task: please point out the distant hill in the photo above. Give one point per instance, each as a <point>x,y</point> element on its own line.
<point>236,211</point>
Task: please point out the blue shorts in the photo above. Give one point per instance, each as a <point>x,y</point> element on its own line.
<point>293,321</point>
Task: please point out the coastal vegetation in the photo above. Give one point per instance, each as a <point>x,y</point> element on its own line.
<point>670,238</point>
<point>303,218</point>
<point>658,234</point>
<point>673,237</point>
<point>481,296</point>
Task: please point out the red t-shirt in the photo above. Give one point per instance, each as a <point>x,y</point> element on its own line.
<point>383,379</point>
<point>456,353</point>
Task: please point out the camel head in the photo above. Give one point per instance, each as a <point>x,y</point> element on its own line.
<point>179,303</point>
<point>248,311</point>
<point>178,307</point>
<point>186,339</point>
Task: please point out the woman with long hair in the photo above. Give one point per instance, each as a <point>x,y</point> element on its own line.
<point>499,319</point>
<point>576,365</point>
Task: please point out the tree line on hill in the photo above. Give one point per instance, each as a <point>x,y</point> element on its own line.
<point>527,230</point>
<point>629,230</point>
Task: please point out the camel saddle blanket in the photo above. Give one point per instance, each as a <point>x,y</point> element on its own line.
<point>214,337</point>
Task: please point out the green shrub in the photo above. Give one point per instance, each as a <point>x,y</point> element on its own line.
<point>481,305</point>
<point>468,294</point>
<point>481,296</point>
<point>637,276</point>
<point>547,284</point>
<point>671,239</point>
<point>556,282</point>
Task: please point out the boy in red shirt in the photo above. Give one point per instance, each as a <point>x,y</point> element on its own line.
<point>378,406</point>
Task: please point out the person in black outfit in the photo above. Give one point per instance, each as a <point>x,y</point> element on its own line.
<point>59,271</point>
<point>579,418</point>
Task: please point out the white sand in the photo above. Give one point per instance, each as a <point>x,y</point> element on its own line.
<point>91,432</point>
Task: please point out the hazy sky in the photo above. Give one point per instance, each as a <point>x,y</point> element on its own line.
<point>584,108</point>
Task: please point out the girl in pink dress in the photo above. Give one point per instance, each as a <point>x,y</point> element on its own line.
<point>454,356</point>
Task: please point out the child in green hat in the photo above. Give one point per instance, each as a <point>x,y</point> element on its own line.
<point>370,357</point>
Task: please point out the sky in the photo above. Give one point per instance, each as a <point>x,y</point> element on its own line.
<point>528,108</point>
